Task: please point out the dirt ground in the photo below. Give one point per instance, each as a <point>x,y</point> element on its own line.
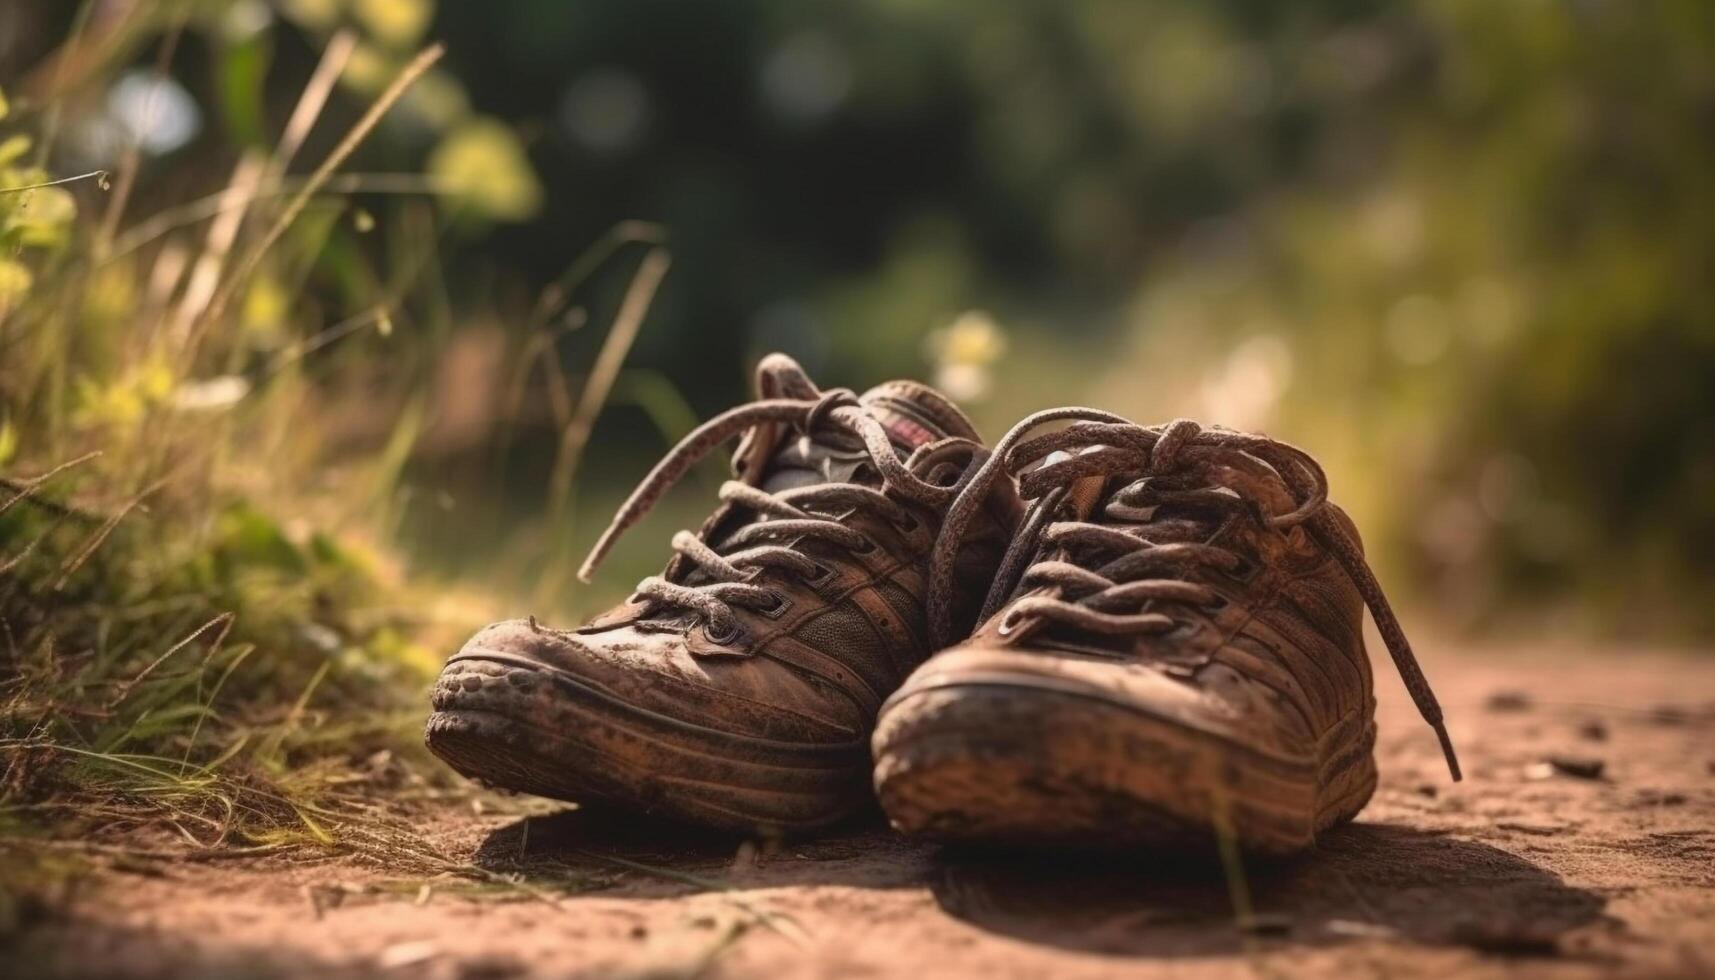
<point>1536,865</point>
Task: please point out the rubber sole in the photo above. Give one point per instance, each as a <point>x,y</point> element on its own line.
<point>1024,765</point>
<point>529,728</point>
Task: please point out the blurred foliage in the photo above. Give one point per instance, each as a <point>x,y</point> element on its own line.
<point>199,636</point>
<point>1463,251</point>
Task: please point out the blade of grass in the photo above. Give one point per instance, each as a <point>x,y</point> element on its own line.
<point>1232,863</point>
<point>99,176</point>
<point>555,294</point>
<point>270,751</point>
<point>217,245</point>
<point>208,703</point>
<point>131,157</point>
<point>102,533</point>
<point>224,619</point>
<point>203,208</point>
<point>247,266</point>
<point>51,119</point>
<point>314,99</point>
<point>626,324</point>
<point>26,489</point>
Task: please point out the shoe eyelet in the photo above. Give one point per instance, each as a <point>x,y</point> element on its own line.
<point>1216,604</point>
<point>910,525</point>
<point>720,638</point>
<point>1244,571</point>
<point>869,547</point>
<point>822,576</point>
<point>778,609</point>
<point>1184,628</point>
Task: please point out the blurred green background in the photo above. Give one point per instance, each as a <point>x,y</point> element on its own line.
<point>1462,250</point>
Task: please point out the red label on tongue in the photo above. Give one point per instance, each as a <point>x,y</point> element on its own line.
<point>908,432</point>
<point>901,423</point>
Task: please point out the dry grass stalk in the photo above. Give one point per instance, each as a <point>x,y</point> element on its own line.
<point>220,202</point>
<point>314,99</point>
<point>247,266</point>
<point>101,535</point>
<point>23,490</point>
<point>130,162</point>
<point>599,384</point>
<point>251,173</point>
<point>222,232</point>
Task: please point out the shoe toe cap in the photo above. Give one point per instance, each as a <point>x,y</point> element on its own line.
<point>651,671</point>
<point>1137,687</point>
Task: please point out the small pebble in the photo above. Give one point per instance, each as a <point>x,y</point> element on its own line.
<point>493,967</point>
<point>1655,797</point>
<point>1508,939</point>
<point>1669,714</point>
<point>1594,730</point>
<point>1543,829</point>
<point>405,954</point>
<point>744,859</point>
<point>1509,701</point>
<point>1578,768</point>
<point>1359,930</point>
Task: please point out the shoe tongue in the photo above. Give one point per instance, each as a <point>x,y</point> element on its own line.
<point>913,415</point>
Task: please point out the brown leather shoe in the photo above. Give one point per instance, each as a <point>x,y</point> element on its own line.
<point>1175,650</point>
<point>738,688</point>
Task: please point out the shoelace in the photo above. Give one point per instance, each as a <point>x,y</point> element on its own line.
<point>1117,599</point>
<point>799,513</point>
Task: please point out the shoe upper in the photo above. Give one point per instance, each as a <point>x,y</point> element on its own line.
<point>800,604</point>
<point>1198,573</point>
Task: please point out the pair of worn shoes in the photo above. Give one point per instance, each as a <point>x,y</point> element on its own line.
<point>1163,645</point>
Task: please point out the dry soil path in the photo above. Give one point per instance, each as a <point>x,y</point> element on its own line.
<point>1524,869</point>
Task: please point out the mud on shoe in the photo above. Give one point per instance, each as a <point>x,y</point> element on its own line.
<point>738,688</point>
<point>1172,650</point>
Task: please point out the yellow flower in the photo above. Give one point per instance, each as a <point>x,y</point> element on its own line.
<point>314,14</point>
<point>111,296</point>
<point>368,70</point>
<point>483,164</point>
<point>972,338</point>
<point>264,312</point>
<point>41,217</point>
<point>15,281</point>
<point>396,23</point>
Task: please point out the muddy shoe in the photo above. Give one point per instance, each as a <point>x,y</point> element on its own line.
<point>738,688</point>
<point>1175,649</point>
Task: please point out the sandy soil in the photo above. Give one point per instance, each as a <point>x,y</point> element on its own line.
<point>1524,869</point>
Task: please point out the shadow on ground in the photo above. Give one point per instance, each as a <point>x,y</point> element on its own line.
<point>597,841</point>
<point>1364,881</point>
